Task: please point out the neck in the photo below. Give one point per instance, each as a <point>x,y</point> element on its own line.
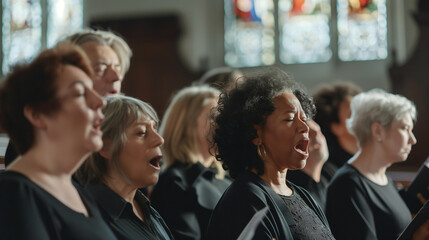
<point>277,181</point>
<point>206,158</point>
<point>207,161</point>
<point>48,159</point>
<point>371,164</point>
<point>120,186</point>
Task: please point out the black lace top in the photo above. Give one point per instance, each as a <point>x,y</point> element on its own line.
<point>308,224</point>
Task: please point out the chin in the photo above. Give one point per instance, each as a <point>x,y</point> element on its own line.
<point>96,145</point>
<point>152,181</point>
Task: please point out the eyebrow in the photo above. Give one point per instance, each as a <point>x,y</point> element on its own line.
<point>289,111</point>
<point>80,82</point>
<point>146,122</point>
<point>77,82</point>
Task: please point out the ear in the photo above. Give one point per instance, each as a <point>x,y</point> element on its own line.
<point>105,150</point>
<point>35,118</point>
<point>377,131</point>
<point>257,141</point>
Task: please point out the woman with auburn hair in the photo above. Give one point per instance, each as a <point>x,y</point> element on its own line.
<point>193,181</point>
<point>52,115</point>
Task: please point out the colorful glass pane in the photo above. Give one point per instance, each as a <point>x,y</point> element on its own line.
<point>21,32</point>
<point>304,31</point>
<point>64,18</point>
<point>249,33</point>
<point>362,29</point>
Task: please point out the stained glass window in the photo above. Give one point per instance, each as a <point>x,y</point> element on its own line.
<point>362,29</point>
<point>304,31</point>
<point>64,18</point>
<point>21,31</point>
<point>249,33</point>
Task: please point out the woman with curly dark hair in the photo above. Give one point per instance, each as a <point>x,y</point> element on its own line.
<point>260,133</point>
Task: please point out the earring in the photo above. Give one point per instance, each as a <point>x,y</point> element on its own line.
<point>259,151</point>
<point>378,139</point>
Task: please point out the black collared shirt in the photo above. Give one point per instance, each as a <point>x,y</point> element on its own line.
<point>185,196</point>
<point>119,215</point>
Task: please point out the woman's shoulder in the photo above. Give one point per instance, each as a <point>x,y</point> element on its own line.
<point>346,173</point>
<point>247,186</point>
<point>16,184</point>
<point>20,196</point>
<point>175,172</point>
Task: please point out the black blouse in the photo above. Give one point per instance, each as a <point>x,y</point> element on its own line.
<point>119,214</point>
<point>308,225</point>
<point>27,211</point>
<point>185,196</point>
<point>360,209</point>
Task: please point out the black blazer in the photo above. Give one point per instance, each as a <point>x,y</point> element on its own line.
<point>185,196</point>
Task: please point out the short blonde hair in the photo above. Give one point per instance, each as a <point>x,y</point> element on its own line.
<point>376,106</point>
<point>178,126</point>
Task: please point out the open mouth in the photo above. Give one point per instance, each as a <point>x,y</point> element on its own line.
<point>155,161</point>
<point>97,125</point>
<point>302,146</point>
<point>113,92</point>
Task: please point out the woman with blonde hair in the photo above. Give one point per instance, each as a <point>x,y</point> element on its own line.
<point>193,181</point>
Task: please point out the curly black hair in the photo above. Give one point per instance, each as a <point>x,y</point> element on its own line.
<point>245,106</point>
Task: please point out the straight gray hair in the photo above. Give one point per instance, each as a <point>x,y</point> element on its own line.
<point>120,113</point>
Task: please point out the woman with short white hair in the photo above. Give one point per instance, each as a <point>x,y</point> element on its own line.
<point>362,201</point>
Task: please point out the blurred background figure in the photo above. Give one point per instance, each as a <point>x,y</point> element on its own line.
<point>193,181</point>
<point>260,133</point>
<point>222,78</point>
<point>362,201</point>
<point>109,56</point>
<point>129,160</point>
<point>310,177</point>
<point>53,116</point>
<point>333,108</point>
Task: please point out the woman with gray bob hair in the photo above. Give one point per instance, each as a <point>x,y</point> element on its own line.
<point>362,201</point>
<point>129,160</point>
<point>377,106</point>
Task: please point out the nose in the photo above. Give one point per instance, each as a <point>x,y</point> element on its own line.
<point>159,140</point>
<point>112,74</point>
<point>95,101</point>
<point>413,139</point>
<point>303,127</point>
